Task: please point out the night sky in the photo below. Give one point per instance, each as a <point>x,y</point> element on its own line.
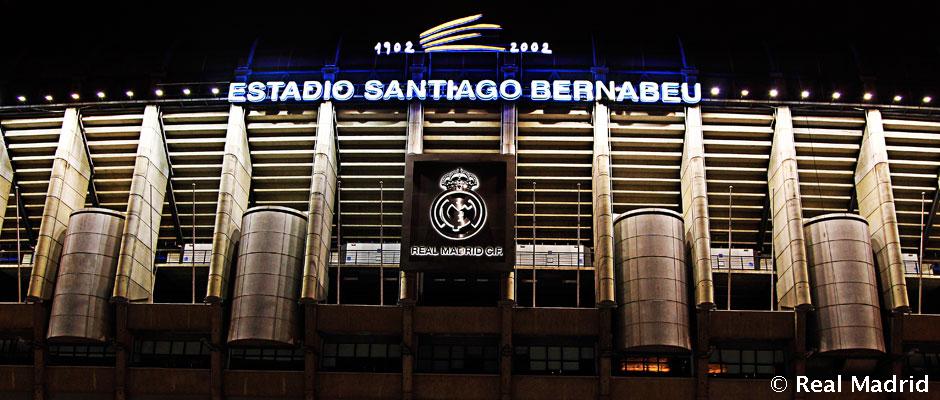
<point>847,46</point>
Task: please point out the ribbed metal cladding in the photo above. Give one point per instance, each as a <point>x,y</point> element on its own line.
<point>81,309</point>
<point>234,188</point>
<point>652,291</point>
<point>601,200</point>
<point>783,182</point>
<point>268,276</point>
<point>695,208</point>
<point>876,203</point>
<point>68,186</point>
<point>508,134</point>
<point>844,286</point>
<point>322,207</point>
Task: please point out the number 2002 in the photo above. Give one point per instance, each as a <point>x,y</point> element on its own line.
<point>529,48</point>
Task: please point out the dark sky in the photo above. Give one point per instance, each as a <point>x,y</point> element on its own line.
<point>85,47</point>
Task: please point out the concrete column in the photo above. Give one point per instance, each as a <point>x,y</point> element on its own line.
<point>602,202</point>
<point>135,269</point>
<point>695,208</point>
<point>68,186</point>
<point>408,281</point>
<point>876,203</point>
<point>322,203</point>
<point>786,208</point>
<point>234,187</point>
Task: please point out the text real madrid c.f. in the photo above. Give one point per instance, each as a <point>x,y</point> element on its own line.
<point>466,90</point>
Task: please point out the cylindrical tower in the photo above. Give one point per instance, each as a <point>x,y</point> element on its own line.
<point>843,283</point>
<point>267,277</point>
<point>652,291</point>
<point>81,310</point>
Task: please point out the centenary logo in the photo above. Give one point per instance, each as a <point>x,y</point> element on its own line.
<point>458,212</point>
<point>453,36</point>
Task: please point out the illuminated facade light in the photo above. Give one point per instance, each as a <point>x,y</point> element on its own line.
<point>926,99</point>
<point>158,92</point>
<point>867,96</point>
<point>100,95</point>
<point>21,99</point>
<point>773,92</point>
<point>48,97</point>
<point>75,96</point>
<point>715,91</point>
<point>187,92</point>
<point>804,94</point>
<point>836,95</point>
<point>215,91</point>
<point>130,94</point>
<point>745,92</point>
<point>898,98</point>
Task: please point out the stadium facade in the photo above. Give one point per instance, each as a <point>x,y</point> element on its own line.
<point>546,242</point>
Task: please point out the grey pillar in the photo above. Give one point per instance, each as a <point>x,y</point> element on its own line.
<point>68,187</point>
<point>234,187</point>
<point>876,204</point>
<point>602,202</point>
<point>135,268</point>
<point>322,203</point>
<point>408,285</point>
<point>695,208</point>
<point>786,209</point>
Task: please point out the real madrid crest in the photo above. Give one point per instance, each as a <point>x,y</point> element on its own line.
<point>458,212</point>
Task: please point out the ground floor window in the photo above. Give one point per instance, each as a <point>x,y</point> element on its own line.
<point>81,354</point>
<point>554,359</point>
<point>655,365</point>
<point>746,363</point>
<point>15,351</point>
<point>450,354</point>
<point>923,363</point>
<point>290,359</point>
<point>171,353</point>
<point>361,354</point>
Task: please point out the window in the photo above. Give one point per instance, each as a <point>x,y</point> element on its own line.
<point>554,360</point>
<point>366,354</point>
<point>289,359</point>
<point>15,351</point>
<point>740,363</point>
<point>85,354</point>
<point>926,363</point>
<point>181,353</point>
<point>655,365</point>
<point>458,355</point>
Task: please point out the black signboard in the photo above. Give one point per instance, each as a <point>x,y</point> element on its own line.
<point>458,213</point>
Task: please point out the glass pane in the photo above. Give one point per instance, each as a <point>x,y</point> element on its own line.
<point>441,352</point>
<point>489,352</point>
<point>441,365</point>
<point>570,353</point>
<point>329,362</point>
<point>587,352</point>
<point>747,369</point>
<point>765,370</point>
<point>162,347</point>
<point>554,353</point>
<point>747,356</point>
<point>146,347</point>
<point>571,366</point>
<point>475,351</point>
<point>537,353</point>
<point>456,364</point>
<point>179,347</point>
<point>394,350</point>
<point>733,368</point>
<point>536,365</point>
<point>379,350</point>
<point>457,352</point>
<point>554,365</point>
<point>347,349</point>
<point>765,357</point>
<point>362,350</point>
<point>730,356</point>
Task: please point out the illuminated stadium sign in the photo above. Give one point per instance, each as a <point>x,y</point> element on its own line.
<point>453,36</point>
<point>466,90</point>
